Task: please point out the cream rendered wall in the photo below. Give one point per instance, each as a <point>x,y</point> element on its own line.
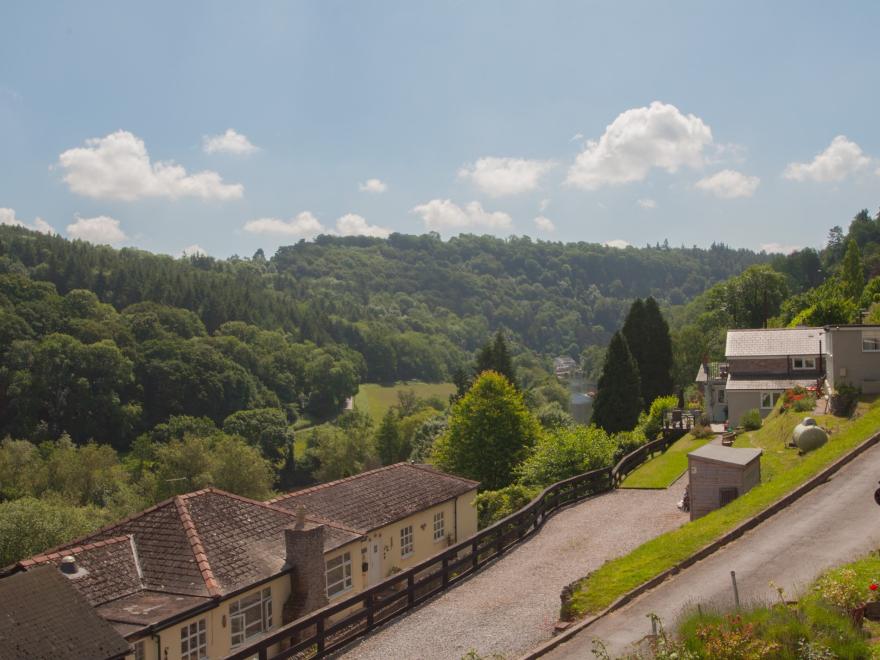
<point>467,516</point>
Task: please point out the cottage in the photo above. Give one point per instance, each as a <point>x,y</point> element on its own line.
<point>718,475</point>
<point>203,574</point>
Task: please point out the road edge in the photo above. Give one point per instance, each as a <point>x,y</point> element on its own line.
<point>704,552</point>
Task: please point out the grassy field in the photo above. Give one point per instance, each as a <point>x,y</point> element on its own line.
<point>377,399</point>
<point>662,471</point>
<point>782,470</point>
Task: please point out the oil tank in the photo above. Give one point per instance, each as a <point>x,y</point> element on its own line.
<point>581,407</point>
<point>808,435</point>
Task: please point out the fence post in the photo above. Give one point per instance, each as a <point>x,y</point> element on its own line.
<point>368,603</point>
<point>410,590</point>
<point>445,572</point>
<point>475,555</point>
<point>319,634</point>
<point>500,540</point>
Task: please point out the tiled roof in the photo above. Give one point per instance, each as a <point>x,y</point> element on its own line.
<point>378,497</point>
<point>774,342</point>
<point>44,616</point>
<point>206,543</point>
<point>734,384</point>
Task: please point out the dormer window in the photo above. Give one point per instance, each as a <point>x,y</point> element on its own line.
<point>803,363</point>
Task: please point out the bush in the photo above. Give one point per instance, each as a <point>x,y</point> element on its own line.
<point>652,424</point>
<point>844,400</point>
<point>493,505</point>
<point>701,430</point>
<point>751,420</point>
<point>566,452</point>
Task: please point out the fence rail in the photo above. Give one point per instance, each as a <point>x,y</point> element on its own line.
<point>323,631</point>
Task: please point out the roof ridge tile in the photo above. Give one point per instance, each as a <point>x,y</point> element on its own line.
<point>198,550</point>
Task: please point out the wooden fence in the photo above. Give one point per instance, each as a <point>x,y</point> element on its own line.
<point>329,629</point>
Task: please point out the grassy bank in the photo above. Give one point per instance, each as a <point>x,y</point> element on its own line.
<point>377,399</point>
<point>782,471</point>
<point>662,471</point>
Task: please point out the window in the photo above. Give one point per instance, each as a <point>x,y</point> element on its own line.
<point>769,399</point>
<point>194,641</point>
<point>439,527</point>
<point>406,541</point>
<point>140,650</point>
<point>803,363</point>
<point>870,341</point>
<point>338,574</point>
<point>250,616</point>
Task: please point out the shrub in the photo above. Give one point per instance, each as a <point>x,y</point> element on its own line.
<point>701,430</point>
<point>566,452</point>
<point>751,420</point>
<point>652,424</point>
<point>844,400</point>
<point>493,505</point>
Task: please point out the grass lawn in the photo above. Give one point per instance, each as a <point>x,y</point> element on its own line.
<point>377,399</point>
<point>782,470</point>
<point>662,471</point>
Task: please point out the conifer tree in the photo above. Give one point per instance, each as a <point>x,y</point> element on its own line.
<point>495,356</point>
<point>655,365</point>
<point>853,271</point>
<point>618,400</point>
<point>388,443</point>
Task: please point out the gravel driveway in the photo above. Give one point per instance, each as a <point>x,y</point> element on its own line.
<point>513,604</point>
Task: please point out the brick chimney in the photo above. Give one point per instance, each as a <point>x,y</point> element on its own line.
<point>304,552</point>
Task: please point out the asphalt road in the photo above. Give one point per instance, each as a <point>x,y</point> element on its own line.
<point>835,523</point>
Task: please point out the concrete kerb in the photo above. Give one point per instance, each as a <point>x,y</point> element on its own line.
<point>732,535</point>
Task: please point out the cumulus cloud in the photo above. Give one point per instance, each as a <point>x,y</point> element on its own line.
<point>647,203</point>
<point>304,225</point>
<point>118,166</point>
<point>544,224</point>
<point>618,243</point>
<point>7,217</point>
<point>729,184</point>
<point>842,158</point>
<point>440,214</point>
<point>230,142</point>
<point>101,230</point>
<point>505,176</point>
<point>779,248</point>
<point>639,139</point>
<point>373,186</point>
<point>194,250</point>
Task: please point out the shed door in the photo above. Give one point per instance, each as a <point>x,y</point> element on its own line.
<point>727,495</point>
<point>375,574</point>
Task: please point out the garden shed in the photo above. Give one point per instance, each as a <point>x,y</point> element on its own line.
<point>718,475</point>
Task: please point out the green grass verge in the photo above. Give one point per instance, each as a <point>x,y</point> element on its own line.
<point>377,399</point>
<point>782,470</point>
<point>662,471</point>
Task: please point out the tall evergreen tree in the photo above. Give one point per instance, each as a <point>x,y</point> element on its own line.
<point>388,443</point>
<point>618,400</point>
<point>635,331</point>
<point>655,365</point>
<point>852,271</point>
<point>495,356</point>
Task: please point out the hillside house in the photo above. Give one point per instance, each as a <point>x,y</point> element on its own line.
<point>762,364</point>
<point>564,367</point>
<point>202,574</point>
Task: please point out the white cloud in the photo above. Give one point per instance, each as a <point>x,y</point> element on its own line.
<point>304,225</point>
<point>373,186</point>
<point>618,243</point>
<point>729,184</point>
<point>352,224</point>
<point>577,137</point>
<point>194,250</point>
<point>779,248</point>
<point>842,158</point>
<point>100,230</point>
<point>544,224</point>
<point>505,176</point>
<point>543,205</point>
<point>638,140</point>
<point>440,214</point>
<point>7,217</point>
<point>118,167</point>
<point>230,142</point>
<point>647,203</point>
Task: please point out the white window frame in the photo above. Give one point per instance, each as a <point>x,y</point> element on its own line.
<point>774,397</point>
<point>140,650</point>
<point>407,544</point>
<point>439,526</point>
<point>807,363</point>
<point>259,603</point>
<point>337,575</point>
<point>194,640</point>
<point>870,341</point>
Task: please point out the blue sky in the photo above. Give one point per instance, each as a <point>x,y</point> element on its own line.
<point>233,126</point>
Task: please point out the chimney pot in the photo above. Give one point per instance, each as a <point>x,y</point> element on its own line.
<point>300,516</point>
